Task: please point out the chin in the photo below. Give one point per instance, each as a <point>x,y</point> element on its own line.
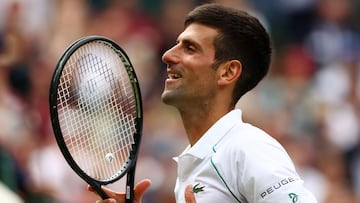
<point>168,98</point>
<point>165,97</point>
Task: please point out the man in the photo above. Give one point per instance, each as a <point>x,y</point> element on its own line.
<point>221,55</point>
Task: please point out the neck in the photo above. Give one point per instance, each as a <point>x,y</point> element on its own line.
<point>198,120</point>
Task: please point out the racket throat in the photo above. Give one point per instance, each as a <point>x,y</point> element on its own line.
<point>97,187</point>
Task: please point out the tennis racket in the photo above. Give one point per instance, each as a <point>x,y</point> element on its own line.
<point>96,112</point>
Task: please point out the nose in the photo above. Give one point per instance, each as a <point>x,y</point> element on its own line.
<point>170,56</point>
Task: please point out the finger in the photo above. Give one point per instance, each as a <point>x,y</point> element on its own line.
<point>140,189</point>
<point>106,201</point>
<point>142,186</point>
<point>108,191</point>
<point>116,197</point>
<point>112,194</point>
<point>90,189</point>
<point>189,195</point>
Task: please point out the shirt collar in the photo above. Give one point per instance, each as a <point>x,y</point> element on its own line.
<point>213,135</point>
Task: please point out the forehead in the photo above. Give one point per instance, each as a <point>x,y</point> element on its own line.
<point>200,34</point>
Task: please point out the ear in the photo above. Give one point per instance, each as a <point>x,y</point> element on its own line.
<point>229,72</point>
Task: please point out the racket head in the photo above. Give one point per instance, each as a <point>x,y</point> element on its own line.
<point>96,110</point>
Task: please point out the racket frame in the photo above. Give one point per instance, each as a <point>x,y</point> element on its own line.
<point>53,98</point>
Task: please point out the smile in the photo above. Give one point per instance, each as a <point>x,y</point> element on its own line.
<point>174,76</point>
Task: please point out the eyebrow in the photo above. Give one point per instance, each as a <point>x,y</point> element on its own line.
<point>187,41</point>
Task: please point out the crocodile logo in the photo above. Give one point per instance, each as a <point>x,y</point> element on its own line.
<point>197,188</point>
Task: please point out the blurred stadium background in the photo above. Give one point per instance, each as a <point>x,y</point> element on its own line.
<point>310,101</point>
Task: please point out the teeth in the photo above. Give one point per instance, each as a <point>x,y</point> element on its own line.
<point>174,76</point>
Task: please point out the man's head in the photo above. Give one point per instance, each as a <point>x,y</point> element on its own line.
<point>241,37</point>
<point>220,50</point>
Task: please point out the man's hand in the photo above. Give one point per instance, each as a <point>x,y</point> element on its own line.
<point>116,197</point>
<point>189,194</point>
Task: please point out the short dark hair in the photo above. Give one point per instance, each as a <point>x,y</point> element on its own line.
<point>242,37</point>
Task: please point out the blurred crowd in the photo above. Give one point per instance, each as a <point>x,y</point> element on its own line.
<point>310,101</point>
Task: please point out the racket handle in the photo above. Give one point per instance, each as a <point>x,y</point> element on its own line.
<point>129,194</point>
<point>102,194</point>
<point>99,191</point>
<point>130,178</point>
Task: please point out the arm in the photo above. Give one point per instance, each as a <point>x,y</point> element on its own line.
<point>116,197</point>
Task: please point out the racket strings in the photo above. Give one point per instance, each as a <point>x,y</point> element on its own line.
<point>97,111</point>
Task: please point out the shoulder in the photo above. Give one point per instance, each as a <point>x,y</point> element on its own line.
<point>247,143</point>
<point>254,153</point>
<point>257,165</point>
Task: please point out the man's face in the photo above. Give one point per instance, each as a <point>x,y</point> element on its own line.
<point>191,78</point>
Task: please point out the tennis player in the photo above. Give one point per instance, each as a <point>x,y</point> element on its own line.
<point>222,54</point>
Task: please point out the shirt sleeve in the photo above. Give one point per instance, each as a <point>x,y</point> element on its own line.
<point>256,168</point>
<point>267,173</point>
<point>287,190</point>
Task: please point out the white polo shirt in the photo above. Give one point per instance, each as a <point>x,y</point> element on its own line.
<point>237,162</point>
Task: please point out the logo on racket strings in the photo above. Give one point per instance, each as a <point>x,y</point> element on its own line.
<point>109,157</point>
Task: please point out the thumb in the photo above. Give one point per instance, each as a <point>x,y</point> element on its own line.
<point>189,194</point>
<point>140,189</point>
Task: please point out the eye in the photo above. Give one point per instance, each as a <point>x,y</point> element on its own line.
<point>189,47</point>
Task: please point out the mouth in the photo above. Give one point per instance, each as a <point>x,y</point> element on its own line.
<point>173,80</point>
<point>173,76</point>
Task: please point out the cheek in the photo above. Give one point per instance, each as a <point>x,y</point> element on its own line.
<point>199,71</point>
<point>204,83</point>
